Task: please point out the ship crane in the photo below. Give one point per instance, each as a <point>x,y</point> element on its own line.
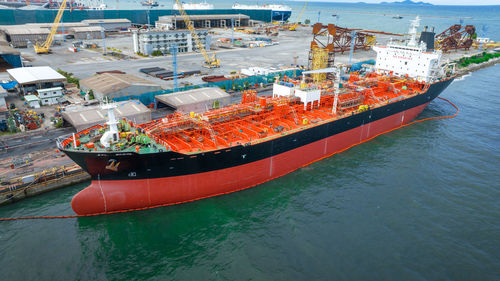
<point>210,62</point>
<point>44,48</point>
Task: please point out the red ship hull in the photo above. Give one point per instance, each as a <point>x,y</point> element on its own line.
<point>114,195</point>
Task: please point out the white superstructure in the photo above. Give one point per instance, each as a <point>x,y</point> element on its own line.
<point>411,59</point>
<point>195,6</point>
<point>273,7</point>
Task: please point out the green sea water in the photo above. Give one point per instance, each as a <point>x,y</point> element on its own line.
<point>419,203</point>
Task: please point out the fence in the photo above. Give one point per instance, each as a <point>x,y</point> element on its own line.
<point>236,84</point>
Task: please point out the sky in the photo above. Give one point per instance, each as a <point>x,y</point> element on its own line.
<point>435,2</point>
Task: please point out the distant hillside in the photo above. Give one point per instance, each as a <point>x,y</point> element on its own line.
<point>407,2</point>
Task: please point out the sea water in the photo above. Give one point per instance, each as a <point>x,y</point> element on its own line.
<point>418,203</point>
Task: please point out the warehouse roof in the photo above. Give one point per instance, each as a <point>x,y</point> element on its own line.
<point>49,25</point>
<point>85,29</point>
<point>107,21</point>
<point>37,74</point>
<point>82,118</point>
<point>26,30</point>
<point>110,82</point>
<point>192,96</point>
<point>206,17</point>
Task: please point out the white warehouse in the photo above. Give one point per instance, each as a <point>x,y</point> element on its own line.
<point>146,42</point>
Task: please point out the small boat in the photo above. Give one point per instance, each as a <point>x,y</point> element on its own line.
<point>149,3</point>
<point>397,17</point>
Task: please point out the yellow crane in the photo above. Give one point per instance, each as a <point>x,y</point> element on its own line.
<point>44,48</point>
<point>294,26</point>
<point>210,62</point>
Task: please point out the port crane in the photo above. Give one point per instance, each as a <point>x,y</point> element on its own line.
<point>293,27</point>
<point>44,48</point>
<point>210,62</point>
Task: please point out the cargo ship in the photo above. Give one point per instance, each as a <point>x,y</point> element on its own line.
<point>278,12</point>
<point>47,4</point>
<point>194,6</point>
<point>186,157</point>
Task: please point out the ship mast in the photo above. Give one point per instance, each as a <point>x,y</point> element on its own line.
<point>112,135</point>
<point>413,32</point>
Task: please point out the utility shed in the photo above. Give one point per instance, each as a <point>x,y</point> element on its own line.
<point>82,118</point>
<point>39,77</point>
<point>115,85</point>
<point>32,101</point>
<point>197,100</point>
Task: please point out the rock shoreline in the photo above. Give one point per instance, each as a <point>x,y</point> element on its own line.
<point>475,67</point>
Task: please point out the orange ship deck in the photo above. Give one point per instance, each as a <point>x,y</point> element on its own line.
<point>258,119</point>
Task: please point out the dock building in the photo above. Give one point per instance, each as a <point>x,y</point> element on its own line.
<point>86,32</point>
<point>202,21</point>
<point>31,79</point>
<point>147,41</point>
<point>115,85</point>
<point>109,25</point>
<point>196,100</point>
<point>82,118</point>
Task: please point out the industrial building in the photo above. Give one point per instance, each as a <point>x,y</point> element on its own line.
<point>30,79</point>
<point>82,118</point>
<point>147,41</point>
<point>115,85</point>
<point>202,21</point>
<point>21,37</point>
<point>196,100</point>
<point>9,57</point>
<point>109,25</point>
<point>86,32</point>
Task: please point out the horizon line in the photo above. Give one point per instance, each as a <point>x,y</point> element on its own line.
<point>388,2</point>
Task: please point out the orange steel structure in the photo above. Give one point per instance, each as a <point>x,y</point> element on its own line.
<point>258,119</point>
<point>454,38</point>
